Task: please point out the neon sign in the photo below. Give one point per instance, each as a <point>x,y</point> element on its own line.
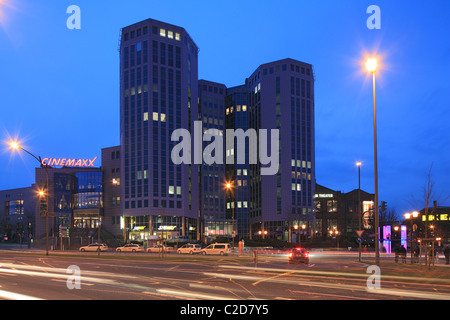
<point>73,163</point>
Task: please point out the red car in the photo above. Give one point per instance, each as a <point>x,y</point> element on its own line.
<point>299,255</point>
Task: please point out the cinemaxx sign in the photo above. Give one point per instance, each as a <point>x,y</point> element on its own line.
<point>71,163</point>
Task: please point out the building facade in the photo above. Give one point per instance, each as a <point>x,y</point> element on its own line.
<point>212,192</point>
<point>75,200</point>
<point>237,117</point>
<point>17,214</point>
<point>281,96</point>
<point>112,196</point>
<point>338,211</point>
<point>158,94</point>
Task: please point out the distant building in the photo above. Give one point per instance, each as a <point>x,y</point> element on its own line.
<point>238,199</point>
<point>437,223</point>
<point>112,192</point>
<point>337,211</point>
<point>75,199</point>
<point>17,214</point>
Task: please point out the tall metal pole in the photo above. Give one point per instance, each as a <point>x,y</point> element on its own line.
<point>359,207</point>
<point>377,222</point>
<point>47,193</point>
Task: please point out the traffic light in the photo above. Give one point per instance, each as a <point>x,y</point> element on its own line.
<point>43,206</point>
<point>383,206</point>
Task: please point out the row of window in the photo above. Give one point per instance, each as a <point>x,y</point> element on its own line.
<point>143,31</point>
<point>238,109</point>
<point>156,204</point>
<point>239,204</point>
<point>14,207</point>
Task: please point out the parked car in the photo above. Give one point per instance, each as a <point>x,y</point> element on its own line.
<point>299,255</point>
<point>130,248</point>
<point>189,249</point>
<point>217,248</point>
<point>159,248</point>
<point>93,247</point>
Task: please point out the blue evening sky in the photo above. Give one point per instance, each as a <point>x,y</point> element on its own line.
<point>59,88</point>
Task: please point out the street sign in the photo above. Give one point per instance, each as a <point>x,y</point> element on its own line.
<point>63,232</point>
<point>359,233</point>
<point>359,240</point>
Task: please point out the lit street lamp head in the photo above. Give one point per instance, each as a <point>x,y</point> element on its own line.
<point>14,145</point>
<point>371,65</point>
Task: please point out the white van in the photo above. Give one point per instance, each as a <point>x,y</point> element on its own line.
<point>217,248</point>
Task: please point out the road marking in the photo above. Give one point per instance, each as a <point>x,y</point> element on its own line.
<point>16,296</point>
<point>270,278</point>
<point>411,294</point>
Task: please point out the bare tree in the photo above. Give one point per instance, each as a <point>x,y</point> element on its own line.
<point>388,217</point>
<point>428,202</point>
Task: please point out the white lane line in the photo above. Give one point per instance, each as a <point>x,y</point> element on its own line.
<point>16,296</point>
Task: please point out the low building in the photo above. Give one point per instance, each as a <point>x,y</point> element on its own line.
<point>17,214</point>
<point>338,211</point>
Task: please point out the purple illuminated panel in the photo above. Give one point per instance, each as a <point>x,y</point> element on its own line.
<point>387,238</point>
<point>404,237</point>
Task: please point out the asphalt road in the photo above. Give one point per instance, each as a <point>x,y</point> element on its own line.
<point>141,277</point>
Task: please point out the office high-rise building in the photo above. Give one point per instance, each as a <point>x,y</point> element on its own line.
<point>281,96</point>
<point>158,94</point>
<point>212,176</point>
<point>237,117</point>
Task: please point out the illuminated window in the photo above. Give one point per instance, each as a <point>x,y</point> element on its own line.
<point>162,32</point>
<point>238,108</point>
<point>163,117</point>
<point>146,116</point>
<point>171,190</point>
<point>444,217</point>
<point>155,116</point>
<point>170,34</point>
<point>244,108</point>
<point>177,36</point>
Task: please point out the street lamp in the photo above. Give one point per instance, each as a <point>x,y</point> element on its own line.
<point>371,66</point>
<point>16,146</point>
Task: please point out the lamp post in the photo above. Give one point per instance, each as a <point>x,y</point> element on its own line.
<point>358,212</point>
<point>15,146</point>
<point>371,66</point>
<point>229,188</point>
<point>409,217</point>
